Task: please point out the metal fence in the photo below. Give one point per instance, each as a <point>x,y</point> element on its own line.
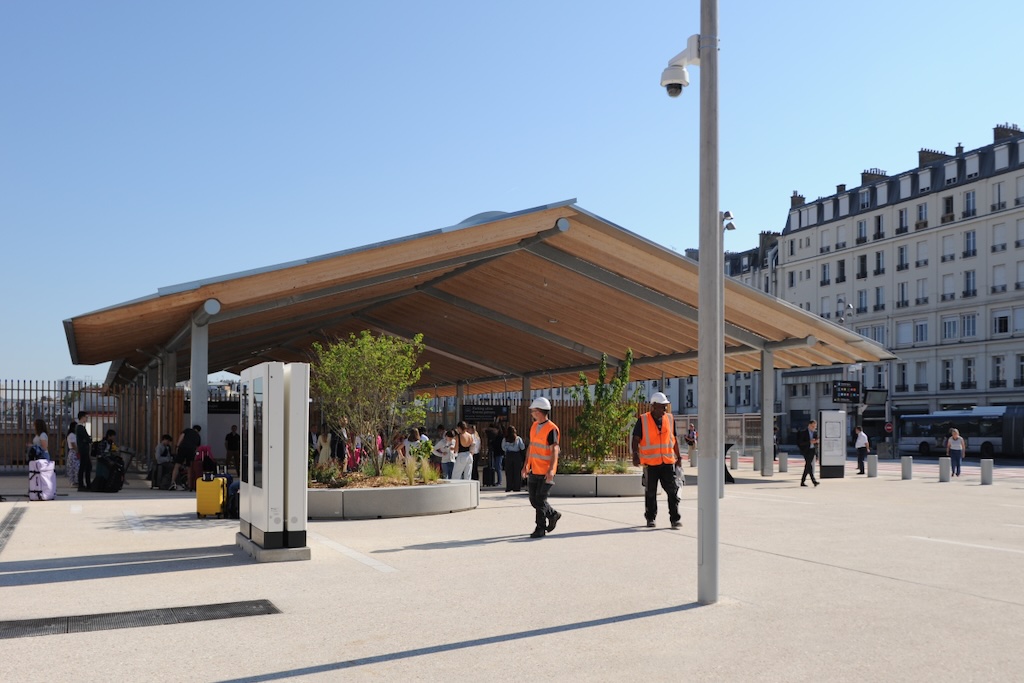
<point>138,415</point>
<point>743,431</point>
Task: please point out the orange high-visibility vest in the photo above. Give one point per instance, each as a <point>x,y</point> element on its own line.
<point>657,446</point>
<point>541,453</point>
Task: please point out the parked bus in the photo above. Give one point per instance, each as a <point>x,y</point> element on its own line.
<point>989,431</point>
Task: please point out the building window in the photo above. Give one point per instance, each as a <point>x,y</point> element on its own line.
<point>901,375</point>
<point>862,266</point>
<point>865,199</point>
<point>949,327</point>
<point>862,232</point>
<point>1019,380</point>
<point>879,262</point>
<point>841,271</point>
<point>826,388</point>
<point>969,324</point>
<point>970,284</point>
<point>922,212</point>
<point>970,204</point>
<point>970,244</point>
<point>825,275</point>
<point>879,377</point>
<point>790,277</point>
<point>997,368</point>
<point>998,202</point>
<point>947,209</point>
<point>902,257</point>
<point>948,248</point>
<point>862,301</point>
<point>904,220</point>
<point>879,298</point>
<point>904,333</point>
<point>947,373</point>
<point>1001,322</point>
<point>920,331</point>
<point>921,373</point>
<point>902,296</point>
<point>878,334</point>
<point>922,291</point>
<point>805,390</point>
<point>969,371</point>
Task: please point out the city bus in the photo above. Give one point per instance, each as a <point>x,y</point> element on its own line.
<point>989,431</point>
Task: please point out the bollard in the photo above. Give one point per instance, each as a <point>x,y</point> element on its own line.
<point>945,468</point>
<point>783,462</point>
<point>757,460</point>
<point>986,471</point>
<point>734,460</point>
<point>872,464</point>
<point>693,458</point>
<point>908,466</point>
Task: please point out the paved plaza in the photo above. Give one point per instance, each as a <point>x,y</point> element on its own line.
<point>857,580</point>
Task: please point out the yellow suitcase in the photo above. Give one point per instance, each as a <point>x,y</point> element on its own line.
<point>211,496</point>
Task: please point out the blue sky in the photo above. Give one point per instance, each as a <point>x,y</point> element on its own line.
<point>148,144</point>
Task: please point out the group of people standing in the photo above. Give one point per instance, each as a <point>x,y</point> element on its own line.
<point>456,452</point>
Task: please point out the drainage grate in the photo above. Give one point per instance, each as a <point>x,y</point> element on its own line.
<point>10,521</point>
<point>150,617</point>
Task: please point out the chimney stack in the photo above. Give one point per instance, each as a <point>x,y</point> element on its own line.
<point>841,188</point>
<point>959,148</point>
<point>927,156</point>
<point>797,200</point>
<point>1005,131</point>
<point>872,175</point>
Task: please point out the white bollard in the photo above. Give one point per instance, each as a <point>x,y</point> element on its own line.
<point>757,460</point>
<point>872,464</point>
<point>986,471</point>
<point>908,466</point>
<point>734,460</point>
<point>945,468</point>
<point>693,458</point>
<point>783,461</point>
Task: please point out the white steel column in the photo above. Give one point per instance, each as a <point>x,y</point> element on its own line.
<point>200,367</point>
<point>767,413</point>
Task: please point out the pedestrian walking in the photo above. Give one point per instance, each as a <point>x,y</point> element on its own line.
<point>956,446</point>
<point>807,442</point>
<point>541,465</point>
<point>655,447</point>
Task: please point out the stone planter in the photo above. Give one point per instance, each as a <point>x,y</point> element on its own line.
<point>397,501</point>
<point>597,485</point>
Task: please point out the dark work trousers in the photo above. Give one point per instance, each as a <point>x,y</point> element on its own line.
<point>664,474</point>
<point>84,470</point>
<point>514,471</point>
<point>539,490</point>
<point>498,465</point>
<point>808,467</point>
<point>861,454</point>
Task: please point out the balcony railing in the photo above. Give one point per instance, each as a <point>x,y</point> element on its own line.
<point>947,218</point>
<point>825,282</point>
<point>999,247</point>
<point>879,307</point>
<point>840,245</point>
<point>947,386</point>
<point>920,301</point>
<point>948,296</point>
<point>967,213</point>
<point>861,240</point>
<point>920,225</point>
<point>998,289</point>
<point>878,236</point>
<point>969,253</point>
<point>862,275</point>
<point>968,293</point>
<point>879,271</point>
<point>902,230</point>
<point>1018,382</point>
<point>921,263</point>
<point>901,388</point>
<point>862,309</point>
<point>840,278</point>
<point>948,257</point>
<point>996,383</point>
<point>902,304</point>
<point>999,206</point>
<point>921,387</point>
<point>968,385</point>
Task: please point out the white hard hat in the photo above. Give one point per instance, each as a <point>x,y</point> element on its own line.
<point>658,397</point>
<point>541,403</point>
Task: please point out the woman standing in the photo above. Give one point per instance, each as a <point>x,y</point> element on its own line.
<point>956,446</point>
<point>514,448</point>
<point>71,466</point>
<point>463,458</point>
<point>323,446</point>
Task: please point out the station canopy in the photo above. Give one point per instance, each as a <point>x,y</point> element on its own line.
<point>540,293</point>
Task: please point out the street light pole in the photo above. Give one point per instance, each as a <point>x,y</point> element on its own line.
<point>710,316</point>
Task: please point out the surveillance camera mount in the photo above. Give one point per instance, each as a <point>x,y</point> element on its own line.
<point>675,77</point>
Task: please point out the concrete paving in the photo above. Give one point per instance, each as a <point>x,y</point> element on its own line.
<point>857,580</point>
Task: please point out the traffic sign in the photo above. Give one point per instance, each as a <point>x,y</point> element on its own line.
<point>888,427</point>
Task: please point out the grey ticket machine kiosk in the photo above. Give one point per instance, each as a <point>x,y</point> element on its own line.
<point>832,442</point>
<point>274,458</point>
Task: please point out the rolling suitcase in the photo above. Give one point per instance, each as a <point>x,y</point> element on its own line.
<point>42,481</point>
<point>211,495</point>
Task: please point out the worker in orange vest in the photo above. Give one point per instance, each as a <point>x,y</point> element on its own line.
<point>655,447</point>
<point>541,465</point>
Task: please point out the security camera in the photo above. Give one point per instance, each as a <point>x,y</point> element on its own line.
<point>727,216</point>
<point>674,79</point>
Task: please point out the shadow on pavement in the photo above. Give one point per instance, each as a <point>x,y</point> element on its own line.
<point>462,645</point>
<point>87,567</point>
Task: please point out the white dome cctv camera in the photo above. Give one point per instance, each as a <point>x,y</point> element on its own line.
<point>674,79</point>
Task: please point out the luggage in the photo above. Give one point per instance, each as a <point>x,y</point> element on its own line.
<point>42,480</point>
<point>109,474</point>
<point>233,510</point>
<point>489,478</point>
<point>162,476</point>
<point>211,496</point>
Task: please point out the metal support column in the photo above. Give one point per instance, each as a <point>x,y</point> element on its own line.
<point>767,413</point>
<point>200,366</point>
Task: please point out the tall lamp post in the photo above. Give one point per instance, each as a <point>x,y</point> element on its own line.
<point>702,50</point>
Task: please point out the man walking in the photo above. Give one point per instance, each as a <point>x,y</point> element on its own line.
<point>655,447</point>
<point>232,446</point>
<point>807,442</point>
<point>541,465</point>
<point>861,444</point>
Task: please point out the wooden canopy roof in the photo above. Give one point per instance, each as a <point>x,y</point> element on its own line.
<point>539,293</point>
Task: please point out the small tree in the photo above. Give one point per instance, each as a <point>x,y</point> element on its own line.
<point>607,414</point>
<point>363,387</point>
